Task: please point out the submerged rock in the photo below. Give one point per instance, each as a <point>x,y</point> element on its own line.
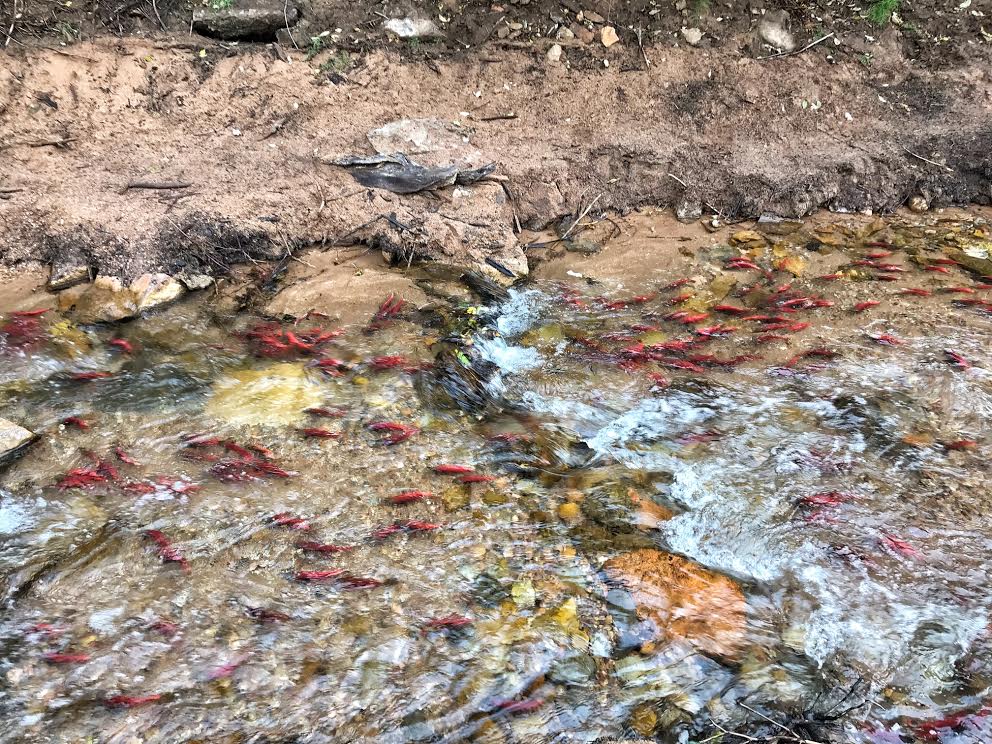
<point>14,440</point>
<point>257,20</point>
<point>107,300</point>
<point>684,600</point>
<point>275,394</point>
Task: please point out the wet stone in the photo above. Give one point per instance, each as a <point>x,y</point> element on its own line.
<point>684,600</point>
<point>64,276</point>
<point>14,440</point>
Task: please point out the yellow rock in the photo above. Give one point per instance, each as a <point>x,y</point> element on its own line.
<point>746,236</point>
<point>276,394</point>
<point>684,600</point>
<point>570,512</point>
<point>792,264</point>
<point>643,720</point>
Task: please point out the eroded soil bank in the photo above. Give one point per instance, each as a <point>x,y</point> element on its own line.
<point>253,133</point>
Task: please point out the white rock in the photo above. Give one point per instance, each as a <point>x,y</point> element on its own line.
<point>411,28</point>
<point>692,35</point>
<point>554,53</point>
<point>12,439</point>
<point>773,31</point>
<point>608,36</point>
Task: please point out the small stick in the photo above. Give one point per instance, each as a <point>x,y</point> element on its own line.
<point>812,44</point>
<point>285,17</point>
<point>676,178</point>
<point>497,117</point>
<point>647,62</point>
<point>584,213</point>
<point>142,184</point>
<point>9,189</point>
<point>155,9</point>
<point>925,160</point>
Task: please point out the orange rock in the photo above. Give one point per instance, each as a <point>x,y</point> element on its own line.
<point>684,600</point>
<point>648,515</point>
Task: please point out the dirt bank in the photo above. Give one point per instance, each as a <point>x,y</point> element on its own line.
<point>252,131</point>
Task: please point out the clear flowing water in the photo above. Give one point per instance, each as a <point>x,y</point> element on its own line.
<point>155,563</point>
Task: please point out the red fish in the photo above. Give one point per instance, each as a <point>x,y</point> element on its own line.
<point>694,318</point>
<point>862,306</point>
<point>269,468</point>
<point>29,313</point>
<point>138,487</point>
<point>321,575</point>
<point>916,291</point>
<point>262,450</point>
<point>266,616</point>
<point>87,376</point>
<point>389,362</point>
<point>887,339</point>
<point>731,309</point>
<point>678,283</point>
<point>166,550</point>
<point>956,359</point>
<point>891,268</point>
<point>447,621</point>
<point>742,263</point>
<point>243,452</point>
<point>659,380</point>
<point>326,412</point>
<point>900,546</point>
<point>453,469</point>
<point>958,290</point>
<point>716,330</point>
<point>296,343</point>
<point>387,311</point>
<point>641,299</point>
<point>122,344</point>
<point>165,627</point>
<point>81,478</point>
<point>315,432</point>
<point>518,706</point>
<point>408,497</point>
<point>360,582</point>
<point>125,457</point>
<point>63,658</point>
<point>128,701</point>
<point>476,478</point>
<point>765,338</point>
<point>826,498</point>
<point>286,519</point>
<point>401,432</point>
<point>830,277</point>
<point>416,525</point>
<point>76,421</point>
<point>937,269</point>
<point>679,299</point>
<point>960,444</point>
<point>316,547</point>
<point>383,532</point>
<point>226,670</point>
<point>878,254</point>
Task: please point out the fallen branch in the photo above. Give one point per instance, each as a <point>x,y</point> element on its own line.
<point>498,117</point>
<point>812,44</point>
<point>162,185</point>
<point>926,160</point>
<point>579,218</point>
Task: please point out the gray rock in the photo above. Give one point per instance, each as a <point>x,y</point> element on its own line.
<point>64,276</point>
<point>412,28</point>
<point>107,300</point>
<point>245,20</point>
<point>689,208</point>
<point>14,440</point>
<point>773,30</point>
<point>193,282</point>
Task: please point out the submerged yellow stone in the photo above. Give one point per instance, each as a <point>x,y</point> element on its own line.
<point>276,394</point>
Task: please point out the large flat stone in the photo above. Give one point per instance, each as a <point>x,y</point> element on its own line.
<point>14,439</point>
